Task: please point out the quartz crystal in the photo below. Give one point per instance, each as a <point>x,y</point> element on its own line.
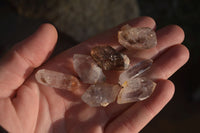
<point>108,58</point>
<point>57,80</point>
<point>135,71</point>
<point>101,94</point>
<point>88,71</point>
<point>136,89</point>
<point>137,37</point>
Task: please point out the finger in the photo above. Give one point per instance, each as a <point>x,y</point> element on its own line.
<point>22,59</point>
<point>138,115</point>
<point>169,36</point>
<point>169,62</point>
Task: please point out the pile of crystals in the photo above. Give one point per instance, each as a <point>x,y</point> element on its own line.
<point>131,86</point>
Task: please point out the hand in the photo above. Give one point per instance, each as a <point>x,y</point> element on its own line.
<point>26,106</point>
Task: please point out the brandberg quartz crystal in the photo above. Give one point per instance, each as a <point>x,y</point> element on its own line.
<point>57,80</point>
<point>137,37</point>
<point>108,58</point>
<point>131,86</point>
<point>135,71</point>
<point>88,71</point>
<point>136,89</point>
<point>101,94</point>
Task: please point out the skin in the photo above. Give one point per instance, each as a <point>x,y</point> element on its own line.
<point>26,106</point>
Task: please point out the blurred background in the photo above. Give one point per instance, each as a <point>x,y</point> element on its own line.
<point>77,20</point>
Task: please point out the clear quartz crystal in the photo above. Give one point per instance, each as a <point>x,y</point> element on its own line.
<point>101,94</point>
<point>135,71</point>
<point>136,89</point>
<point>137,37</point>
<point>57,79</point>
<point>88,71</point>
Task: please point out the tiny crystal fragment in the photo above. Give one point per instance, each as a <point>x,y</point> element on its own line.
<point>135,71</point>
<point>88,71</point>
<point>126,61</point>
<point>136,89</point>
<point>57,79</point>
<point>101,94</point>
<point>137,37</point>
<point>108,58</point>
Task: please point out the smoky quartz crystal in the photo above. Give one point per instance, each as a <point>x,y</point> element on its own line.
<point>109,59</point>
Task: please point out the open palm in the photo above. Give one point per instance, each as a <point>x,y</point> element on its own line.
<point>27,107</point>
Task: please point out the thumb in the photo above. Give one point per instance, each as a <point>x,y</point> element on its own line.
<point>28,54</point>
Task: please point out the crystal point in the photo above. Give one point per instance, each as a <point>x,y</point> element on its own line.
<point>108,58</point>
<point>57,79</point>
<point>87,69</point>
<point>101,94</point>
<point>135,70</point>
<point>136,89</point>
<point>137,37</point>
